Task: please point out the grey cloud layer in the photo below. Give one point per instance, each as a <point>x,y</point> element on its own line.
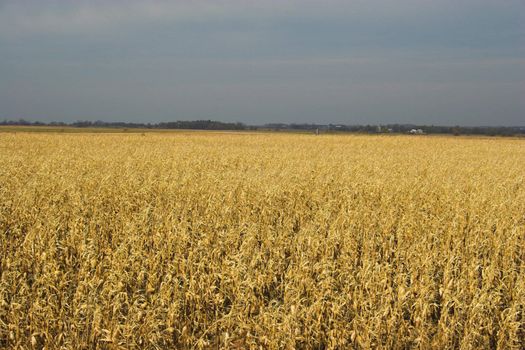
<point>440,62</point>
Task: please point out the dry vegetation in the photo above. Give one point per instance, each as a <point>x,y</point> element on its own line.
<point>267,241</point>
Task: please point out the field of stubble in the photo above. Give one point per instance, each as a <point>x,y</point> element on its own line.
<point>263,241</point>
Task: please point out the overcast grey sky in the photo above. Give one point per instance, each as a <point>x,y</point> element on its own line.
<point>441,62</point>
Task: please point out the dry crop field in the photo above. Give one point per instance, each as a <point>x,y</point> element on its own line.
<point>262,241</point>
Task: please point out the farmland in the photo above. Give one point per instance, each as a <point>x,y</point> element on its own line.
<point>263,240</point>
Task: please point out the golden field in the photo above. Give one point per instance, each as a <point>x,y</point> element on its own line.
<point>261,241</point>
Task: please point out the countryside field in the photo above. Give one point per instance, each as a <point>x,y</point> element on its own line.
<point>261,241</point>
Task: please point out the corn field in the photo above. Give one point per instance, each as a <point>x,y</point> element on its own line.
<point>261,241</point>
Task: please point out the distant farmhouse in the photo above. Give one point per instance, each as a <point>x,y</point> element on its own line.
<point>416,132</point>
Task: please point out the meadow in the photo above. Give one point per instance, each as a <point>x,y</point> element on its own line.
<point>196,240</point>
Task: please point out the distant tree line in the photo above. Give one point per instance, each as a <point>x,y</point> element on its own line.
<point>403,129</point>
<point>325,128</point>
<point>195,124</point>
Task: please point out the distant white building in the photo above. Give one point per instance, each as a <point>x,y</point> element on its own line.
<point>416,131</point>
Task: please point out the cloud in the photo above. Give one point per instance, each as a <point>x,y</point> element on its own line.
<point>27,17</point>
<point>56,17</point>
<point>264,60</point>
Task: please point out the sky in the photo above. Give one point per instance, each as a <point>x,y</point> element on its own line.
<point>441,62</point>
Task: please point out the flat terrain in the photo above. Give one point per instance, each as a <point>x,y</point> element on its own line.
<point>80,130</point>
<point>272,241</point>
